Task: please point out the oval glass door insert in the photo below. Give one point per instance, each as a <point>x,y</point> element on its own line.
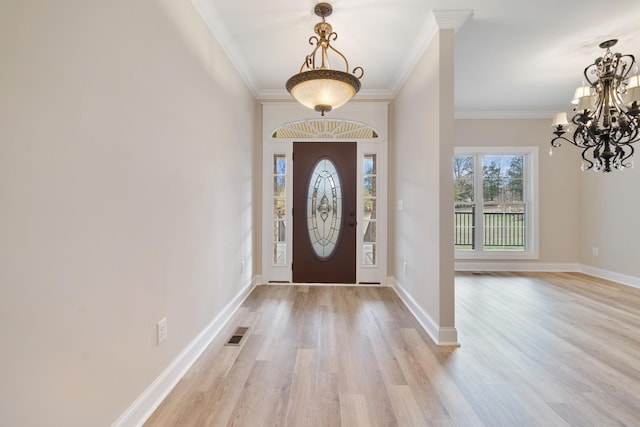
<point>324,208</point>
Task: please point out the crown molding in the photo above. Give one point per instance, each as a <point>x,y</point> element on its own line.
<point>365,94</point>
<point>504,114</point>
<point>451,19</point>
<point>373,94</point>
<point>211,18</point>
<point>275,94</point>
<point>436,21</point>
<point>424,37</point>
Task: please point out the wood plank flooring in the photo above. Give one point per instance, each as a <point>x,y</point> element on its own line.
<point>544,349</point>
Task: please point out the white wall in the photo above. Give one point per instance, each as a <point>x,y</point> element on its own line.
<point>421,149</point>
<point>609,212</point>
<point>126,151</point>
<point>579,210</point>
<point>559,181</point>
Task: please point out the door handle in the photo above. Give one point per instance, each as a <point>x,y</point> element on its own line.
<point>352,223</point>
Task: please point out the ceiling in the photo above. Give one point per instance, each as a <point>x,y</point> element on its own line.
<point>513,58</point>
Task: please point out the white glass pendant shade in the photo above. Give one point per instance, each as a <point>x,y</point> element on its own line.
<point>323,90</point>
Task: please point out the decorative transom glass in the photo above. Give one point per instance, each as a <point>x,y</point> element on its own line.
<point>324,208</point>
<point>325,128</point>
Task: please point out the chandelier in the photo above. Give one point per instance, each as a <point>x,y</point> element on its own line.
<point>316,85</point>
<point>606,113</point>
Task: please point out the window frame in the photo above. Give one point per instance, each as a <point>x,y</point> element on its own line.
<point>530,196</point>
<point>373,198</point>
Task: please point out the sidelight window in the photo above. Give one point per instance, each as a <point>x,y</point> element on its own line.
<point>370,209</point>
<point>279,209</point>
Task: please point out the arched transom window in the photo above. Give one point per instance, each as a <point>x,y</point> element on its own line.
<point>325,129</point>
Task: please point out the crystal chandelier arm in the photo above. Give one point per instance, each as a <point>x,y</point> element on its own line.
<point>588,164</point>
<point>627,130</point>
<point>628,156</point>
<point>579,139</point>
<point>557,141</point>
<point>584,135</point>
<point>592,69</point>
<point>627,62</point>
<point>634,132</point>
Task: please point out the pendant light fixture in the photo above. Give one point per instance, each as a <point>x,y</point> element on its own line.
<point>606,113</point>
<point>316,85</point>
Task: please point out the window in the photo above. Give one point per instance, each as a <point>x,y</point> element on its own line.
<point>495,202</point>
<point>370,210</point>
<point>279,209</point>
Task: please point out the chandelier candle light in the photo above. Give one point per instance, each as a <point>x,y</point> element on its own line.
<point>606,113</point>
<point>317,86</point>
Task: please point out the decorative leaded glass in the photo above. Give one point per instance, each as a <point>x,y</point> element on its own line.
<point>324,208</point>
<point>325,128</point>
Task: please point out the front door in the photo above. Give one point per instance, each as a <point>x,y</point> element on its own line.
<point>324,212</point>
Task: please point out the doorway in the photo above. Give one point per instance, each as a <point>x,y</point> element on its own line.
<point>324,212</point>
<point>366,173</point>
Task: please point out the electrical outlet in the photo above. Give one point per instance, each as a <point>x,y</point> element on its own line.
<point>405,268</point>
<point>595,251</point>
<point>161,329</point>
<point>242,266</point>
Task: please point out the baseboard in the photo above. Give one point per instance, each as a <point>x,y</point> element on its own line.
<point>449,336</point>
<point>550,267</point>
<point>624,279</point>
<point>151,398</point>
<point>516,266</point>
<point>445,336</point>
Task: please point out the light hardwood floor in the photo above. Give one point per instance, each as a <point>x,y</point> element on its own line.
<point>536,350</point>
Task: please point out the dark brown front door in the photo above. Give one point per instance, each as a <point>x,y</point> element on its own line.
<point>324,212</point>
